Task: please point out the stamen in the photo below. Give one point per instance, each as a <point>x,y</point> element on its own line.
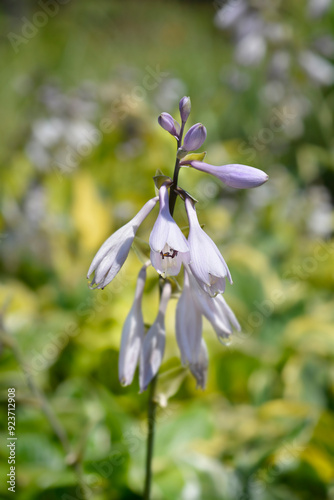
<point>167,254</point>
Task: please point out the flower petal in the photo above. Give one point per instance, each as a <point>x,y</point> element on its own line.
<point>188,325</point>
<point>114,251</point>
<point>154,343</point>
<point>233,175</point>
<point>132,334</point>
<point>206,262</point>
<point>199,369</point>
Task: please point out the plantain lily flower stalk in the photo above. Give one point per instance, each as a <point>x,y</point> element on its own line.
<point>114,251</point>
<point>154,343</point>
<point>206,262</point>
<point>233,175</point>
<point>169,247</point>
<point>132,334</point>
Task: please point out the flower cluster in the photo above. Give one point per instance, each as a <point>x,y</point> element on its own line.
<point>205,270</point>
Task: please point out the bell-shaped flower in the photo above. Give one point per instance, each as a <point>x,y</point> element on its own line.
<point>233,175</point>
<point>192,305</point>
<point>132,334</point>
<point>188,323</point>
<point>185,108</point>
<point>154,343</point>
<point>169,247</point>
<point>167,122</point>
<point>194,138</point>
<point>114,251</point>
<point>206,262</point>
<point>216,311</point>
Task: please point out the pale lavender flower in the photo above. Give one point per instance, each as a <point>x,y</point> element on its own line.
<point>114,251</point>
<point>167,122</point>
<point>233,175</point>
<point>194,138</point>
<point>206,262</point>
<point>154,343</point>
<point>192,305</point>
<point>169,247</point>
<point>188,324</point>
<point>185,108</point>
<point>132,334</point>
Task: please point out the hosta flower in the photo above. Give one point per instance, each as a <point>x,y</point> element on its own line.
<point>215,309</point>
<point>167,122</point>
<point>154,343</point>
<point>188,323</point>
<point>114,251</point>
<point>234,175</point>
<point>132,334</point>
<point>169,247</point>
<point>185,107</point>
<point>194,138</point>
<point>206,262</point>
<point>192,305</point>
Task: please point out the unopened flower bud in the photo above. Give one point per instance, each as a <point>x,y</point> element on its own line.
<point>185,107</point>
<point>195,137</point>
<point>167,122</point>
<point>233,175</point>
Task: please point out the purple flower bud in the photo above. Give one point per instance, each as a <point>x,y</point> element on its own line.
<point>167,122</point>
<point>185,107</point>
<point>194,138</point>
<point>233,175</point>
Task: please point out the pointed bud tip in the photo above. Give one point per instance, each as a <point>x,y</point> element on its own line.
<point>185,108</point>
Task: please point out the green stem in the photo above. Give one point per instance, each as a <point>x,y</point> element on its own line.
<point>152,406</point>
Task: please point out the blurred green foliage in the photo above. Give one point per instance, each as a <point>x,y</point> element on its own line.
<point>80,144</point>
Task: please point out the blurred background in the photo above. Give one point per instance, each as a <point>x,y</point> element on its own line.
<point>82,85</point>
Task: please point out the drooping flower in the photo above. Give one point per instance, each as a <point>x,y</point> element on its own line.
<point>185,108</point>
<point>233,175</point>
<point>192,305</point>
<point>112,254</point>
<point>215,309</point>
<point>188,323</point>
<point>206,262</point>
<point>132,334</point>
<point>167,122</point>
<point>194,138</point>
<point>154,343</point>
<point>169,247</point>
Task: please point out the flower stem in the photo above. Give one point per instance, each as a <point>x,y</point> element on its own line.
<point>152,406</point>
<point>173,195</point>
